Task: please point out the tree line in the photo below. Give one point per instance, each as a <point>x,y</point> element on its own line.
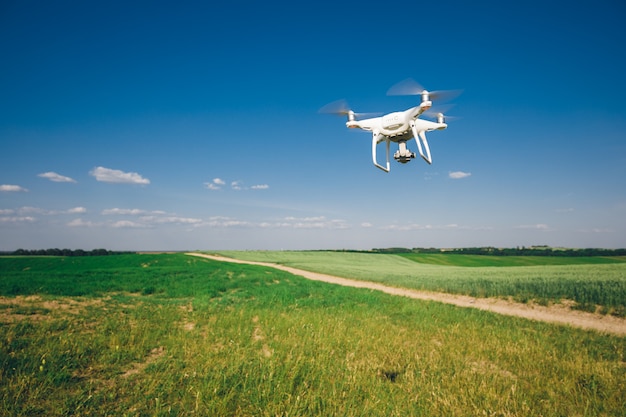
<point>63,252</point>
<point>518,251</point>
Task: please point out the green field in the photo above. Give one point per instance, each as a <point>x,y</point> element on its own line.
<point>593,284</point>
<point>506,261</point>
<point>177,335</point>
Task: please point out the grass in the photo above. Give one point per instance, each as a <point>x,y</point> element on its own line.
<point>591,286</point>
<point>176,335</point>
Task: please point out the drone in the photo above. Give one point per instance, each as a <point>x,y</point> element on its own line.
<point>398,127</point>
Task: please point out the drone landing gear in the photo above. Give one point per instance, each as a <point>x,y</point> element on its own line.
<point>421,136</point>
<point>376,139</point>
<point>403,154</point>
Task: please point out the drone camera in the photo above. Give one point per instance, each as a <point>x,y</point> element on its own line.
<point>403,154</point>
<point>403,159</point>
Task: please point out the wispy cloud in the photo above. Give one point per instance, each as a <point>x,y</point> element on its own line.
<point>169,220</point>
<point>17,219</point>
<point>457,175</point>
<point>222,221</point>
<point>215,184</point>
<point>538,226</point>
<point>46,212</point>
<point>596,230</point>
<point>146,218</point>
<point>129,212</point>
<point>12,188</point>
<point>53,176</point>
<point>116,176</point>
<point>82,223</point>
<point>439,227</point>
<point>127,224</point>
<point>77,210</point>
<point>316,222</point>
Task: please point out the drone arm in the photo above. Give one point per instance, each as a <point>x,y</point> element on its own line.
<point>421,136</point>
<point>377,138</point>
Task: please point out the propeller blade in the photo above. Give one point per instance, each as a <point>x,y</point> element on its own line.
<point>339,107</point>
<point>410,87</point>
<point>436,116</point>
<point>444,95</point>
<point>342,108</point>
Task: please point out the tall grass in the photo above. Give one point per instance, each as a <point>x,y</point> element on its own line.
<point>223,339</point>
<point>590,286</point>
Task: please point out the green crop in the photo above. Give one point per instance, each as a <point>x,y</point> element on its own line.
<point>591,286</point>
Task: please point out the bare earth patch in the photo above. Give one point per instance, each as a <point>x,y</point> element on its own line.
<point>34,307</point>
<point>558,313</point>
<point>136,368</point>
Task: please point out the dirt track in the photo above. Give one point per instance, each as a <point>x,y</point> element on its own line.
<point>553,314</point>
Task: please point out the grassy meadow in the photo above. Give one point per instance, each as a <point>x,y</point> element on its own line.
<point>591,283</point>
<point>169,334</point>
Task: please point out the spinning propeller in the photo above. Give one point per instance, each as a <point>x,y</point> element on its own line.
<point>341,108</point>
<point>410,87</point>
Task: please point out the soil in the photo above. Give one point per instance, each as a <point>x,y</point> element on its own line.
<point>557,313</point>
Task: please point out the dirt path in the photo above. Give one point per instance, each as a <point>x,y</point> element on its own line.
<point>553,314</point>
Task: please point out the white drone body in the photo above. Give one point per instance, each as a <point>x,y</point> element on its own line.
<point>399,127</point>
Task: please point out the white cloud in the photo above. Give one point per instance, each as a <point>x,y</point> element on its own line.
<point>366,224</point>
<point>81,223</point>
<point>6,211</point>
<point>53,176</point>
<point>437,227</point>
<point>119,211</point>
<point>221,221</point>
<point>404,227</point>
<point>596,230</point>
<point>12,188</point>
<point>21,219</point>
<point>318,222</point>
<point>45,212</point>
<point>538,226</point>
<point>457,175</point>
<point>127,224</point>
<point>77,210</point>
<point>170,220</point>
<point>116,176</point>
<point>215,184</point>
<point>27,209</point>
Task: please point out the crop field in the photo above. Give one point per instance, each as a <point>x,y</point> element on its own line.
<point>592,284</point>
<point>170,334</point>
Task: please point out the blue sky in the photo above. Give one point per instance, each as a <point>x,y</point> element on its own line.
<point>179,125</point>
